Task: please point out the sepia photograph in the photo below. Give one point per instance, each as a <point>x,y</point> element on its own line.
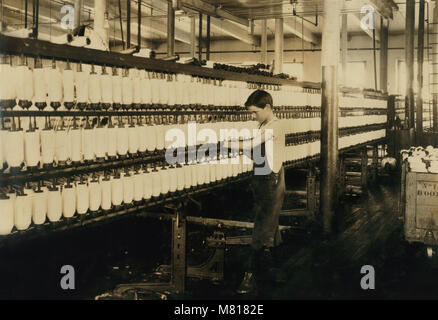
<point>215,157</point>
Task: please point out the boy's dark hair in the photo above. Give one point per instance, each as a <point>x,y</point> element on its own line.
<point>260,99</point>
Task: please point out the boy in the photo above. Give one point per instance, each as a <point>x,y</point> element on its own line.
<point>268,186</point>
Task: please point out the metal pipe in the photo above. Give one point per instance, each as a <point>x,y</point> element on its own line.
<point>434,83</point>
<point>420,67</point>
<point>200,38</point>
<point>279,45</point>
<point>192,36</point>
<point>170,30</point>
<point>99,20</point>
<point>78,9</point>
<point>264,42</point>
<point>208,39</point>
<point>128,24</point>
<point>344,46</point>
<point>139,24</point>
<point>25,13</point>
<point>409,58</point>
<point>329,112</point>
<point>384,40</point>
<point>121,24</point>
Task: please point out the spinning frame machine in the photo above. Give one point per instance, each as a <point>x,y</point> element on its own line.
<point>82,140</point>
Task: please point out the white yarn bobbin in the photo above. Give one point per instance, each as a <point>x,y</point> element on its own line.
<point>151,138</point>
<point>117,89</point>
<point>94,89</point>
<point>62,145</point>
<point>156,183</point>
<point>117,191</point>
<point>15,149</point>
<point>68,201</point>
<point>89,143</point>
<point>32,148</point>
<point>187,176</point>
<point>138,186</point>
<point>6,215</point>
<point>54,205</point>
<point>132,139</point>
<point>165,180</point>
<point>112,142</point>
<point>105,186</point>
<point>40,88</point>
<point>22,212</point>
<point>147,185</point>
<point>173,181</point>
<point>82,86</point>
<point>127,90</point>
<point>40,206</point>
<point>142,138</point>
<point>82,198</point>
<point>48,145</point>
<point>106,86</point>
<point>122,141</point>
<point>101,142</point>
<point>128,189</point>
<point>68,81</point>
<point>95,196</point>
<point>76,144</point>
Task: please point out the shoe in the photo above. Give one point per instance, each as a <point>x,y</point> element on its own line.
<point>248,284</point>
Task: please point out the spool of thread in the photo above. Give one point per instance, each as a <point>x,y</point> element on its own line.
<point>82,84</point>
<point>54,205</point>
<point>156,183</point>
<point>165,181</point>
<point>3,137</point>
<point>160,135</point>
<point>20,73</point>
<point>128,189</point>
<point>117,191</point>
<point>180,178</point>
<point>112,141</point>
<point>95,195</point>
<point>31,148</point>
<point>48,146</point>
<point>76,144</point>
<point>194,174</point>
<point>82,198</point>
<point>151,138</point>
<point>146,90</point>
<point>89,143</point>
<point>212,169</point>
<point>137,88</point>
<point>171,93</point>
<point>147,185</point>
<point>15,148</point>
<point>22,212</point>
<point>142,138</point>
<point>7,87</point>
<point>164,92</point>
<point>94,89</point>
<point>105,186</point>
<point>54,84</point>
<point>138,186</point>
<point>117,89</point>
<point>229,167</point>
<point>106,86</point>
<point>40,88</point>
<point>127,91</point>
<point>155,91</point>
<point>133,139</point>
<point>39,206</point>
<point>187,176</point>
<point>173,179</point>
<point>68,81</point>
<point>207,172</point>
<point>200,173</point>
<point>101,142</point>
<point>122,141</point>
<point>68,201</point>
<point>6,214</point>
<point>62,147</point>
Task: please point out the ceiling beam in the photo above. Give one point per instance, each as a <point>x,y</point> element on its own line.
<point>294,26</point>
<point>211,10</point>
<point>235,31</point>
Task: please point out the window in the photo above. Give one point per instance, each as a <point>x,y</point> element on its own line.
<point>356,74</point>
<point>294,70</point>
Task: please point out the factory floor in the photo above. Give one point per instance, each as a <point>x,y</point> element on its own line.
<point>370,232</point>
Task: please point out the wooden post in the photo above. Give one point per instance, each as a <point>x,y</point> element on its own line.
<point>409,53</point>
<point>200,38</point>
<point>264,42</point>
<point>311,193</point>
<point>170,30</point>
<point>434,80</point>
<point>384,40</point>
<point>279,45</point>
<point>207,55</point>
<point>192,36</point>
<point>329,111</point>
<point>344,47</point>
<point>128,24</point>
<point>364,167</point>
<point>420,69</point>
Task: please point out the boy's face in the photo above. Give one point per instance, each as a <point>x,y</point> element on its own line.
<point>258,114</point>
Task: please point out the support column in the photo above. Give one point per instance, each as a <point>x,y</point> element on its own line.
<point>78,7</point>
<point>192,36</point>
<point>170,30</point>
<point>344,48</point>
<point>434,80</point>
<point>409,55</point>
<point>364,167</point>
<point>279,45</point>
<point>99,20</point>
<point>384,41</point>
<point>200,38</point>
<point>329,111</point>
<point>264,42</point>
<point>420,69</point>
<point>207,54</point>
<point>128,24</point>
<point>311,193</point>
